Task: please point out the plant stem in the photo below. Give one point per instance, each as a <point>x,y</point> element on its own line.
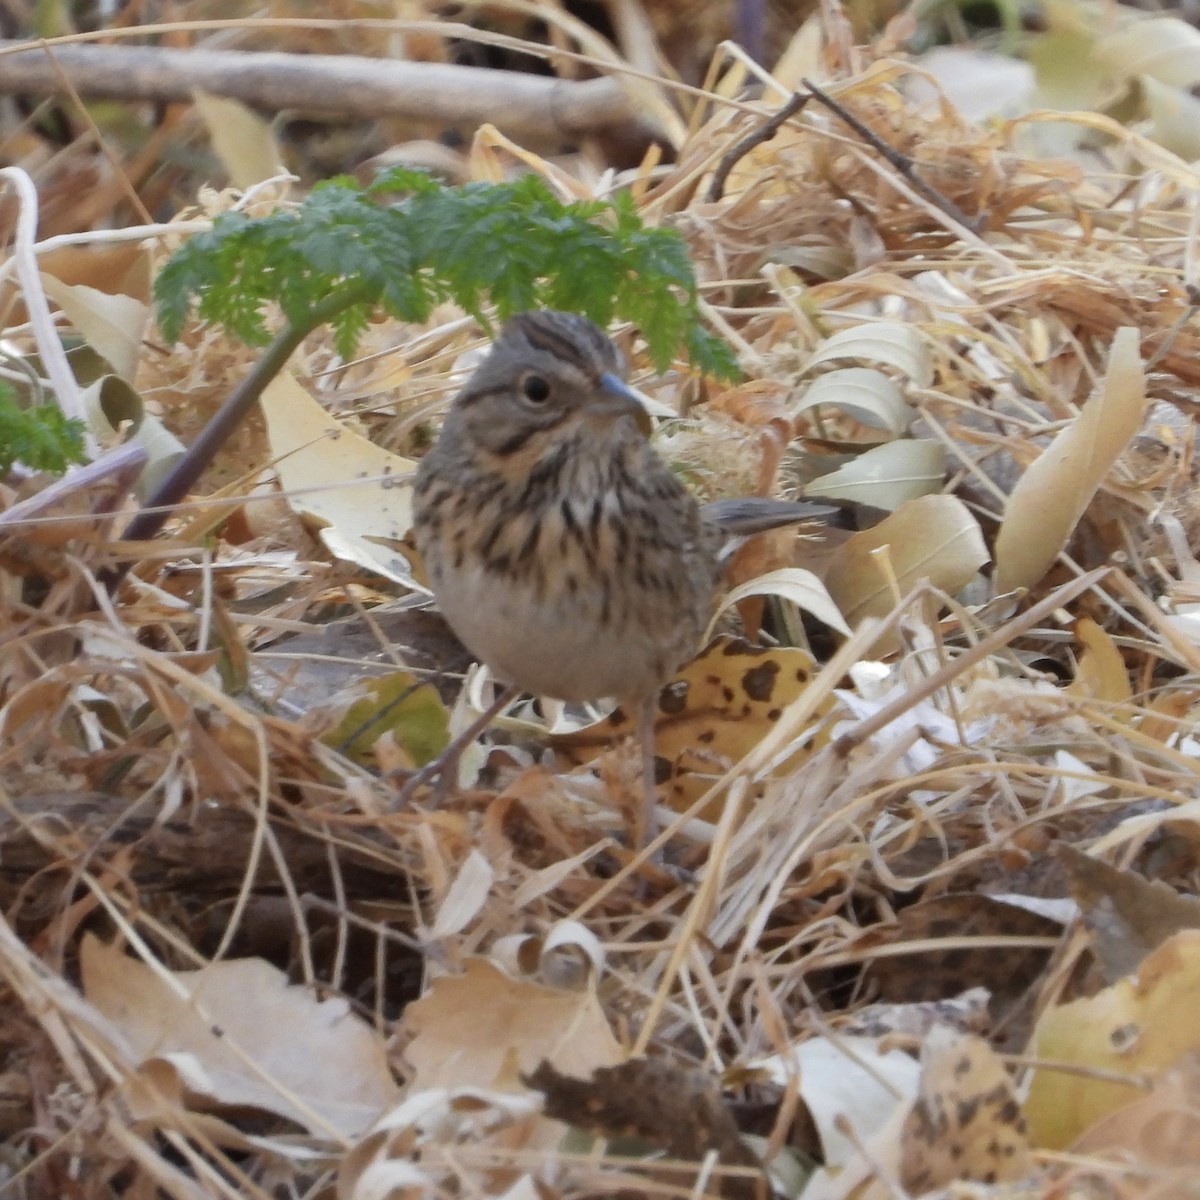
<point>183,477</point>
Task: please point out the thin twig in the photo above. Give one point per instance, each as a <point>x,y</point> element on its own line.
<point>902,163</point>
<point>1168,338</point>
<point>764,133</point>
<point>102,144</point>
<point>116,469</point>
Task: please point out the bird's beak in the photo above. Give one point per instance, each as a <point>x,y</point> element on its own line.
<point>615,398</point>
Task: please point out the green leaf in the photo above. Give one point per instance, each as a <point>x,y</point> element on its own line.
<point>41,438</point>
<point>407,243</point>
<point>398,704</point>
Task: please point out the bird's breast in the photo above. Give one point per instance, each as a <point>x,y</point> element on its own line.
<point>585,579</point>
<point>560,612</point>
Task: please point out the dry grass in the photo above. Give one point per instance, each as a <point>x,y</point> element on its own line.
<point>165,784</point>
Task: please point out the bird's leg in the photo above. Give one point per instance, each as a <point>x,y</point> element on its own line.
<point>647,829</point>
<point>444,768</point>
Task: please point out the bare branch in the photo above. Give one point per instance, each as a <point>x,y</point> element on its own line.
<point>520,105</point>
<point>901,162</point>
<point>756,137</point>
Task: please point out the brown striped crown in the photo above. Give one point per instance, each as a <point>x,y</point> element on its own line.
<point>569,337</point>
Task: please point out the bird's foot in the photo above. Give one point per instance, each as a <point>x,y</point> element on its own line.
<point>437,773</point>
<point>442,772</point>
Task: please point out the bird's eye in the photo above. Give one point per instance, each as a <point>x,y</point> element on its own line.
<point>534,388</point>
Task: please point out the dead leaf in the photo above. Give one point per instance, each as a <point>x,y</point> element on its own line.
<point>120,268</point>
<point>935,973</point>
<point>934,538</point>
<point>1101,674</point>
<point>466,895</point>
<point>1057,488</point>
<point>237,1034</point>
<point>1164,48</point>
<point>802,588</point>
<point>358,493</point>
<point>242,140</point>
<point>867,395</point>
<point>1127,915</point>
<point>112,324</point>
<point>710,716</point>
<point>967,1012</point>
<point>1135,1028</point>
<point>1174,115</point>
<point>113,410</point>
<point>844,1081</point>
<point>391,1161</point>
<point>1160,1132</point>
<point>675,1109</point>
<point>887,342</point>
<point>471,1030</point>
<point>570,956</point>
<point>886,476</point>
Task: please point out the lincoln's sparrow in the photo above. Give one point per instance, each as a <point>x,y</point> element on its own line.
<point>559,546</point>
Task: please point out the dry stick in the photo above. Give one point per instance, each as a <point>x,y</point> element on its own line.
<point>740,149</point>
<point>183,476</point>
<point>118,469</point>
<point>524,106</point>
<point>437,29</point>
<point>749,27</point>
<point>901,162</point>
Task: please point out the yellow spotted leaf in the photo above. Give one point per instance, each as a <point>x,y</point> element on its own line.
<point>965,1123</point>
<point>1136,1028</point>
<point>710,716</point>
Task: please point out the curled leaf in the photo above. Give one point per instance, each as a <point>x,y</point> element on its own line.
<point>799,586</point>
<point>887,342</point>
<point>113,324</point>
<point>934,538</point>
<point>888,475</point>
<point>1055,491</point>
<point>867,395</point>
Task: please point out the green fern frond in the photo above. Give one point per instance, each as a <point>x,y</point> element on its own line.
<point>40,438</point>
<point>406,243</point>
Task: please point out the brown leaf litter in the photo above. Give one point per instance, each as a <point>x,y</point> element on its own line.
<point>864,835</point>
